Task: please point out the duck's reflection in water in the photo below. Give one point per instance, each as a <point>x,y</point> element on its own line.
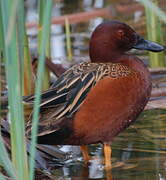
<point>92,170</point>
<point>75,168</point>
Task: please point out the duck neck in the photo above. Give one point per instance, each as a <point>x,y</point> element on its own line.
<point>103,54</point>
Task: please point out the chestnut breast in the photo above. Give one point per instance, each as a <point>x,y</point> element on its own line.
<point>112,105</point>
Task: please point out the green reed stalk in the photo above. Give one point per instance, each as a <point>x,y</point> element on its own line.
<point>1,54</point>
<point>5,161</point>
<point>68,40</point>
<point>1,40</point>
<point>28,81</point>
<point>24,55</point>
<point>156,10</point>
<point>9,10</point>
<point>2,177</point>
<point>42,54</point>
<point>42,8</point>
<point>154,30</point>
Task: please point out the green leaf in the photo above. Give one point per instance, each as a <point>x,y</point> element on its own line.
<point>42,55</point>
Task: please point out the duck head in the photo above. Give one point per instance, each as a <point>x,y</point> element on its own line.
<point>112,39</point>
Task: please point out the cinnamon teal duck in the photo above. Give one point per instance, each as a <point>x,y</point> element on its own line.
<point>94,101</point>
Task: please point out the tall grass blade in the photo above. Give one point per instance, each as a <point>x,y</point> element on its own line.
<point>42,8</point>
<point>154,30</point>
<point>42,54</point>
<point>24,56</point>
<point>5,161</point>
<point>13,75</point>
<point>68,39</point>
<point>28,81</point>
<point>20,34</point>
<point>1,53</point>
<point>2,177</point>
<point>1,39</point>
<point>156,10</point>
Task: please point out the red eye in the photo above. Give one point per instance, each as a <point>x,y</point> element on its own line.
<point>120,34</point>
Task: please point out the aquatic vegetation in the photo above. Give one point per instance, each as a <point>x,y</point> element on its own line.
<point>13,29</point>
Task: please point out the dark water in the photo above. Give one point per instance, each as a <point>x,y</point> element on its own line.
<point>139,153</point>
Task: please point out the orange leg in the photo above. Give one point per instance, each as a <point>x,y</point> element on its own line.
<point>107,156</point>
<point>84,150</point>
